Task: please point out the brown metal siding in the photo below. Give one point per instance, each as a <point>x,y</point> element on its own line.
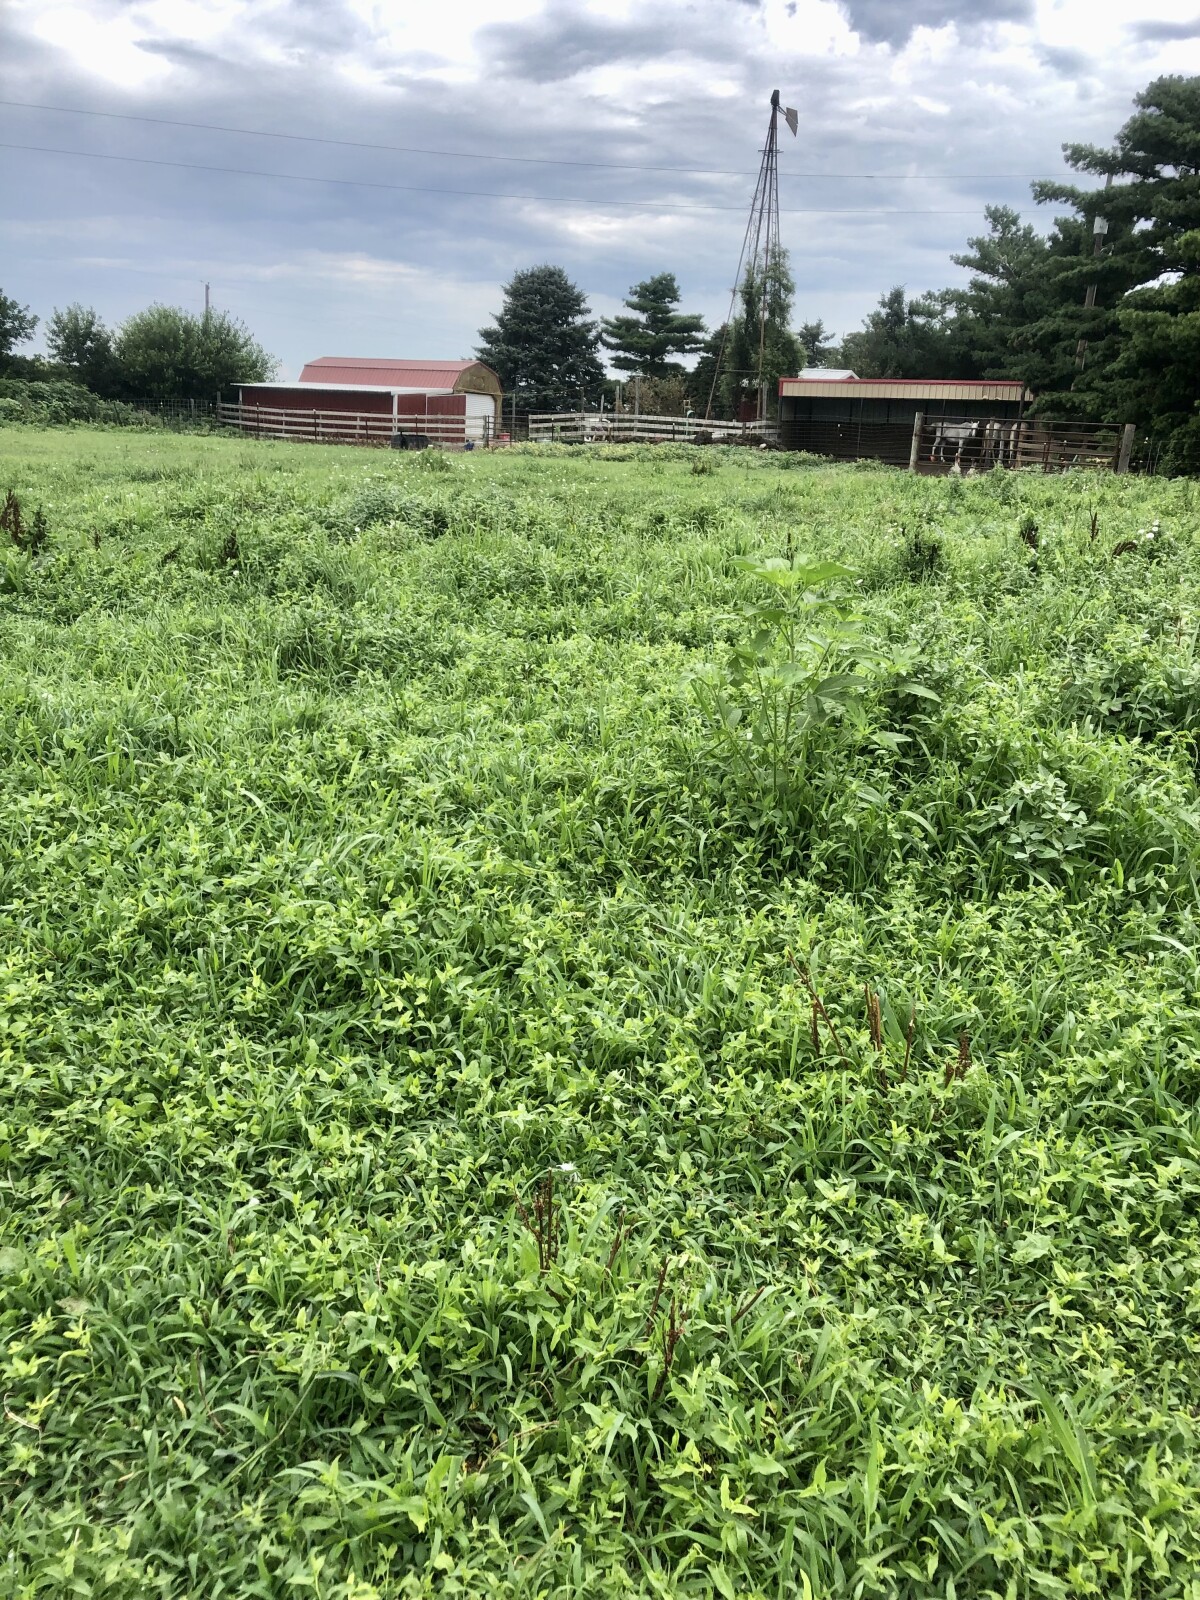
<point>299,398</point>
<point>432,405</point>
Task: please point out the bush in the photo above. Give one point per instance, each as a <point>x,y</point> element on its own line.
<point>1181,458</point>
<point>58,402</point>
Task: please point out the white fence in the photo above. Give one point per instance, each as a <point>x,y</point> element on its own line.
<point>595,427</point>
<point>352,427</point>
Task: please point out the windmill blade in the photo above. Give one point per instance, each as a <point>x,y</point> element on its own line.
<point>791,117</point>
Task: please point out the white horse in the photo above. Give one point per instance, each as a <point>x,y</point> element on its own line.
<point>952,433</point>
<point>998,442</point>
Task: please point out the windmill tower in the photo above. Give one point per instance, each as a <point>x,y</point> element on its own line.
<point>760,249</point>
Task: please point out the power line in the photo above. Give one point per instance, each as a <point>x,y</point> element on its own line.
<point>489,194</point>
<point>474,155</point>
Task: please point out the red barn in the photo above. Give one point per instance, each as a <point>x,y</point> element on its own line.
<point>365,398</point>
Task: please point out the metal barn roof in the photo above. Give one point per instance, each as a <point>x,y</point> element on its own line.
<point>904,389</point>
<point>372,372</point>
<point>355,388</point>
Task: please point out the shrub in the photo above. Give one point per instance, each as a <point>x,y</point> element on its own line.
<point>56,403</point>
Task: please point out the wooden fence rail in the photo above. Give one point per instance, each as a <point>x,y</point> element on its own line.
<point>351,427</point>
<point>594,427</point>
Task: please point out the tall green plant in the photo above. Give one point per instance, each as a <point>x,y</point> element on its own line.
<point>803,662</point>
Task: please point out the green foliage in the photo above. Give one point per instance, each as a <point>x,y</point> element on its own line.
<point>1133,352</point>
<point>800,662</point>
<point>1140,353</point>
<point>78,340</point>
<point>1010,292</point>
<point>670,396</point>
<point>543,344</point>
<point>59,401</point>
<point>17,323</point>
<point>704,387</point>
<point>646,341</point>
<point>902,339</point>
<point>815,344</point>
<point>758,343</point>
<point>165,353</point>
<point>462,1134</point>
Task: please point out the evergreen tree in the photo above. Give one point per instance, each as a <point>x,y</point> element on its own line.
<point>816,344</point>
<point>780,353</point>
<point>904,338</point>
<point>1156,376</point>
<point>542,344</point>
<point>645,341</point>
<point>1140,360</point>
<point>1006,294</point>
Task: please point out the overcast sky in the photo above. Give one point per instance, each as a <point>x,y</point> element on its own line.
<point>528,128</point>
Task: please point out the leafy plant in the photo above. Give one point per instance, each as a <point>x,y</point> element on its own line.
<point>347,902</point>
<point>802,662</point>
<point>1040,826</point>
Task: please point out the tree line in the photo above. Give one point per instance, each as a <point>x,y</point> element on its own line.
<point>1100,315</point>
<point>161,353</point>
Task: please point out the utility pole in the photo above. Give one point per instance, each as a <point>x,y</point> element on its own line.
<point>1099,231</point>
<point>207,302</point>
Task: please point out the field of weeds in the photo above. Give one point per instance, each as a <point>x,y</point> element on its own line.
<point>595,1024</point>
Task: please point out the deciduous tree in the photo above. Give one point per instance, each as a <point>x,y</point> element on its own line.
<point>78,340</point>
<point>166,353</point>
<point>903,338</point>
<point>758,346</point>
<point>17,323</point>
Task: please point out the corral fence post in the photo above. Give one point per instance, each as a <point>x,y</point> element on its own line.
<point>914,452</point>
<point>1126,450</point>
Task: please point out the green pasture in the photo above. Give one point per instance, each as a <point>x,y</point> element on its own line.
<point>481,1116</point>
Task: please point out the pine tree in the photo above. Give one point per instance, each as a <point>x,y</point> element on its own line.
<point>1007,292</point>
<point>816,344</point>
<point>1156,377</point>
<point>1140,361</point>
<point>905,338</point>
<point>645,341</point>
<point>542,344</point>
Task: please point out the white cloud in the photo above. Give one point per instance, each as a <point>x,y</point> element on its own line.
<point>103,46</point>
<point>684,84</point>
